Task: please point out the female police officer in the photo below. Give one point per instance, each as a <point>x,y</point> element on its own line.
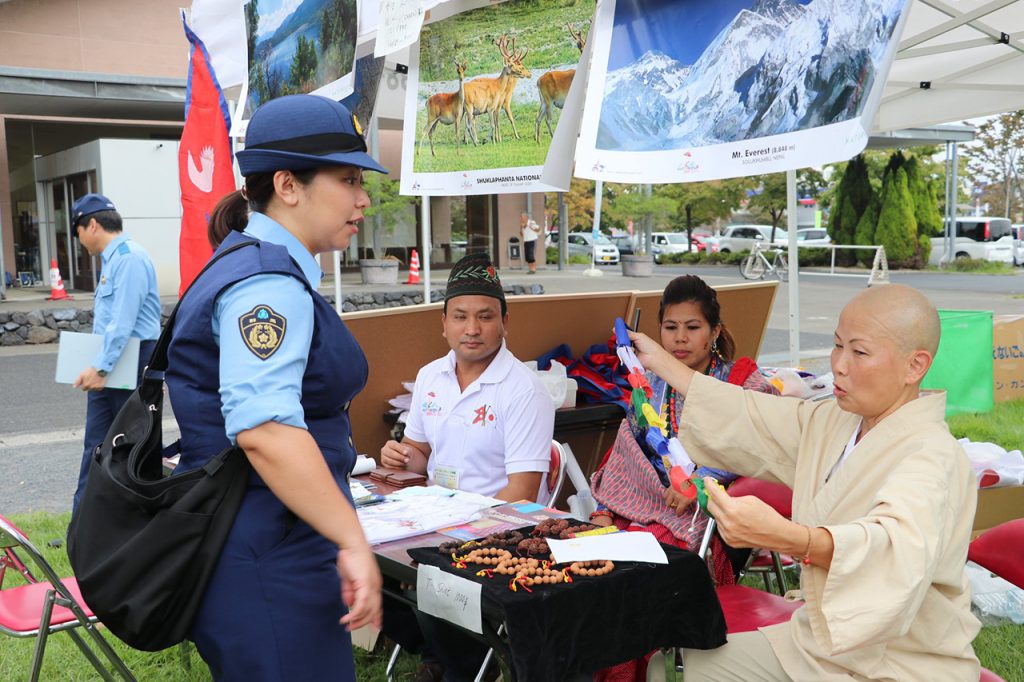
<point>259,358</point>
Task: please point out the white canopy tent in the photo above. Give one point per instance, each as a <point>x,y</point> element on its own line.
<point>954,62</point>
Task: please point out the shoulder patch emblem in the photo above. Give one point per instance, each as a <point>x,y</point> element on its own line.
<point>262,330</point>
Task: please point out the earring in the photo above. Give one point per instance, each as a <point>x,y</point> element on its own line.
<point>714,346</point>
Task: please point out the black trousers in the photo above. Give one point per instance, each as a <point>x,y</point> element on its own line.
<point>531,250</point>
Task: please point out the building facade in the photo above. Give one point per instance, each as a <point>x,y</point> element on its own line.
<point>73,72</point>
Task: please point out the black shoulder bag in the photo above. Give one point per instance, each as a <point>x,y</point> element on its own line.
<point>142,545</point>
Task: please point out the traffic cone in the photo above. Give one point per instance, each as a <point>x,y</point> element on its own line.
<point>57,292</point>
<point>414,269</point>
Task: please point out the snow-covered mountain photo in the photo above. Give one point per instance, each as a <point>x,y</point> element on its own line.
<point>760,68</point>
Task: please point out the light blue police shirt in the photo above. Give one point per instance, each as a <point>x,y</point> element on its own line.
<point>127,303</point>
<point>255,389</point>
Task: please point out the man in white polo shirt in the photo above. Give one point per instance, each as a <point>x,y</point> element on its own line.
<point>480,421</point>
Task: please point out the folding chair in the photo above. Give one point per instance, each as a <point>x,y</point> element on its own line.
<point>51,605</point>
<point>552,485</point>
<point>779,498</point>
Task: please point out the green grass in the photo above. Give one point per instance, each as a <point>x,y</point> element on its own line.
<point>976,266</point>
<point>509,153</point>
<point>999,647</point>
<point>538,25</point>
<point>65,663</point>
<point>1004,425</point>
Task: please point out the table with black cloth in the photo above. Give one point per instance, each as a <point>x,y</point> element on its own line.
<point>556,631</point>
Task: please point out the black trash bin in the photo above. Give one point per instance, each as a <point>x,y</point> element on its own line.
<point>515,250</point>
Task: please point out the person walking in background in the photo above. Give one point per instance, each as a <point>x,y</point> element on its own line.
<point>126,306</point>
<point>530,231</point>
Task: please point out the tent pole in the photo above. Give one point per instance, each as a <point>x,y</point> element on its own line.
<point>794,271</point>
<point>425,240</point>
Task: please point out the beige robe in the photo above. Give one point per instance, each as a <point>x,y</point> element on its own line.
<point>895,604</point>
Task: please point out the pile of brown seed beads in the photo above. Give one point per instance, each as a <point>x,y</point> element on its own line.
<point>571,530</point>
<point>550,527</point>
<point>592,568</point>
<point>451,547</point>
<point>514,565</point>
<point>533,546</point>
<point>509,538</point>
<point>488,556</point>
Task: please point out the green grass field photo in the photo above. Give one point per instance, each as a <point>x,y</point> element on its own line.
<point>538,28</point>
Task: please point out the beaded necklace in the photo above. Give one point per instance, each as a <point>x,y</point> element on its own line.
<point>671,405</point>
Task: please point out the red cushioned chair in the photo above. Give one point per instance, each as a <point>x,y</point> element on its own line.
<point>1001,550</point>
<point>779,498</point>
<point>40,608</point>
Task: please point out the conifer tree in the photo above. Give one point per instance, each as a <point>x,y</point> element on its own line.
<point>853,195</point>
<point>922,193</point>
<point>897,226</point>
<point>865,232</point>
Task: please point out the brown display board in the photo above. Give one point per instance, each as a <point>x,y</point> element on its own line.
<point>745,311</point>
<point>399,341</point>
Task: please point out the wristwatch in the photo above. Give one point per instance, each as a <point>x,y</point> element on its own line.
<point>102,372</point>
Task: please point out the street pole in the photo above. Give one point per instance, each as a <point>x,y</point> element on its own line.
<point>563,232</point>
<point>595,233</point>
<point>425,239</point>
<point>794,271</point>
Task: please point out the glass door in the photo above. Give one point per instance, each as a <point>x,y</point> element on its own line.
<point>62,232</point>
<point>479,224</point>
<point>85,272</point>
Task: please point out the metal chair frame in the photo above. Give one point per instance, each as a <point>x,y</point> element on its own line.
<point>58,594</point>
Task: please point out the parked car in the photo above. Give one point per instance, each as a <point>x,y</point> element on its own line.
<point>743,237</point>
<point>813,236</point>
<point>582,243</point>
<point>705,241</point>
<point>625,244</point>
<point>664,243</point>
<point>978,237</point>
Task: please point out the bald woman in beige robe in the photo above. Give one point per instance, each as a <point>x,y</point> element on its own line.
<point>883,503</point>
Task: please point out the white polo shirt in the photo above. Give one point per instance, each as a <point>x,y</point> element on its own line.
<point>501,424</point>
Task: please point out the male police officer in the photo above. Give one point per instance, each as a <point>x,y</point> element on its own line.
<point>127,305</point>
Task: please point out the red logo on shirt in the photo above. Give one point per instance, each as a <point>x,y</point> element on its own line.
<point>483,415</point>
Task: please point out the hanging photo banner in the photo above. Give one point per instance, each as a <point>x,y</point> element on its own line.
<point>479,118</point>
<point>704,89</point>
<point>296,47</point>
<point>367,72</point>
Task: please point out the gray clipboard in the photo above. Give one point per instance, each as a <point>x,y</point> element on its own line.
<point>77,351</point>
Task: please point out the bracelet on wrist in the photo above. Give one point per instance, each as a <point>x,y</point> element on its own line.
<point>806,559</point>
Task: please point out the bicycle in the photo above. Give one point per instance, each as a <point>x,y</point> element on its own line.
<point>757,264</point>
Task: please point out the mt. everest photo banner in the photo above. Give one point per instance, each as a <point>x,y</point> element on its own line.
<point>689,90</point>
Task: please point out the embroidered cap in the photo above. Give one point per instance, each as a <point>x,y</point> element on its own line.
<point>302,132</point>
<point>87,205</point>
<point>474,275</point>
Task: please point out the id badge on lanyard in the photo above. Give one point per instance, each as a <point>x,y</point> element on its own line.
<point>447,477</point>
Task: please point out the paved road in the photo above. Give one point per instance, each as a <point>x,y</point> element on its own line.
<point>41,422</point>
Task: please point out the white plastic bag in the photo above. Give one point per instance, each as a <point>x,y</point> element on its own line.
<point>993,599</point>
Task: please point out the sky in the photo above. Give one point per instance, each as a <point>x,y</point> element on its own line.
<point>273,13</point>
<point>681,29</point>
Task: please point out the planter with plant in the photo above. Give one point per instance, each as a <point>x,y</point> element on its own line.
<point>387,208</point>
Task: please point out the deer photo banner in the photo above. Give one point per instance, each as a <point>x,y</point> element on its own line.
<point>689,90</point>
<point>487,87</point>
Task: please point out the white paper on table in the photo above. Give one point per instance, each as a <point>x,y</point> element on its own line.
<point>359,491</point>
<point>615,547</point>
<point>448,596</point>
<point>461,496</point>
<point>398,26</point>
<point>363,465</point>
<point>397,519</point>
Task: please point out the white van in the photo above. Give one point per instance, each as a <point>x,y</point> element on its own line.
<point>980,237</point>
<point>664,243</point>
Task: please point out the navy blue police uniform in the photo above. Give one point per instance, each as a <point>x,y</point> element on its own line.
<point>254,342</point>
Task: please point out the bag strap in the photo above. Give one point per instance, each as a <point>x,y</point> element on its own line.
<point>158,361</point>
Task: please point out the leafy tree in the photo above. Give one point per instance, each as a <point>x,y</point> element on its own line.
<point>864,233</point>
<point>771,201</point>
<point>700,203</point>
<point>897,227</point>
<point>304,63</point>
<point>252,22</point>
<point>922,193</point>
<point>635,204</point>
<point>387,206</point>
<point>996,162</point>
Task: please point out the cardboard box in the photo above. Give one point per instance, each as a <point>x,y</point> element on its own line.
<point>998,505</point>
<point>1008,357</point>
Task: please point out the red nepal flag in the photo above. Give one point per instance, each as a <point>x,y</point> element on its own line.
<point>204,160</point>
